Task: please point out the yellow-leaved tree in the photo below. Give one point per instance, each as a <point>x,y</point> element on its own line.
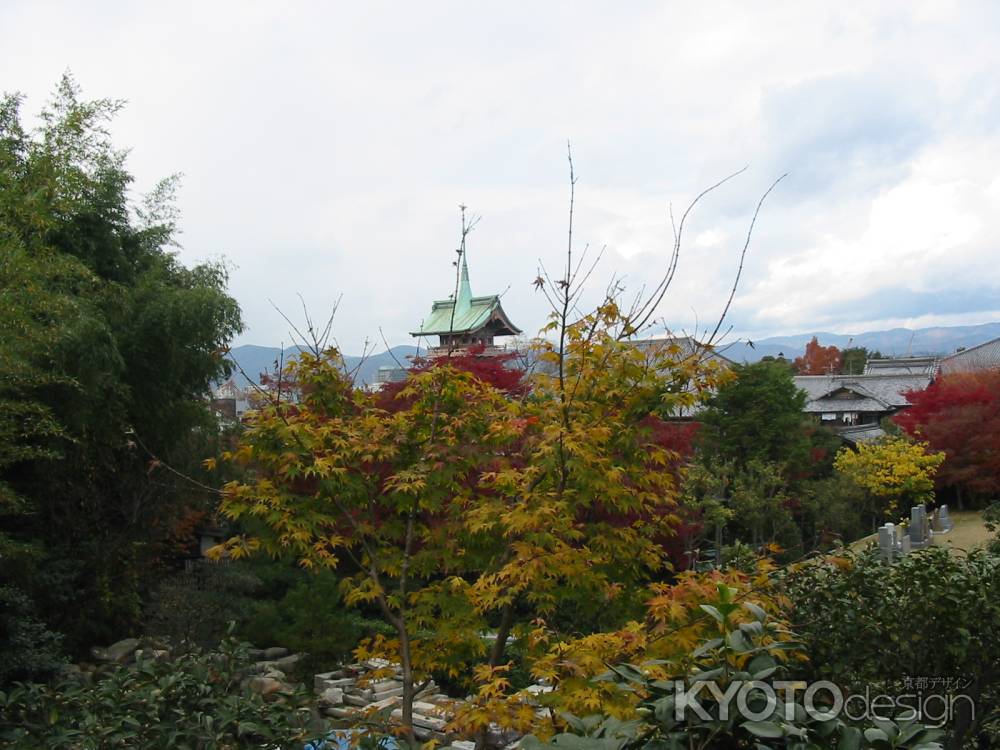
<point>894,472</point>
<point>457,508</point>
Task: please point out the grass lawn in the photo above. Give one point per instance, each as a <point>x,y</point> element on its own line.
<point>969,533</point>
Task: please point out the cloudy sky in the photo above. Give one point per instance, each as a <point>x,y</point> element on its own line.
<point>326,147</point>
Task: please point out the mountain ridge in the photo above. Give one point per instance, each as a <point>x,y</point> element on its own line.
<point>893,342</point>
<point>255,359</point>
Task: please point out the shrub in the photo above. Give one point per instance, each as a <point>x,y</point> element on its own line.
<point>194,608</point>
<point>28,650</point>
<point>311,618</point>
<point>744,652</point>
<point>991,519</point>
<point>197,701</point>
<point>931,615</point>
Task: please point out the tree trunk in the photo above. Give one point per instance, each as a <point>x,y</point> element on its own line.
<point>503,632</point>
<point>406,664</point>
<point>497,654</point>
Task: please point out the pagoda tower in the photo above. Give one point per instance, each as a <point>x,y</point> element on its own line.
<point>466,321</point>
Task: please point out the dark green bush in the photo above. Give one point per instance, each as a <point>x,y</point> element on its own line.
<point>197,701</point>
<point>991,517</point>
<point>933,614</point>
<point>28,649</point>
<point>311,618</point>
<point>194,608</point>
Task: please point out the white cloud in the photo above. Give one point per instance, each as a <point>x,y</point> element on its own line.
<point>326,147</point>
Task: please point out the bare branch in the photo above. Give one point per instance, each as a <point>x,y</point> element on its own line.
<point>301,337</point>
<point>743,255</point>
<point>648,309</point>
<point>390,352</point>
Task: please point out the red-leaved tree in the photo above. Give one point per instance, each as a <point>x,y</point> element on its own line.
<point>818,360</point>
<point>502,371</point>
<point>959,414</point>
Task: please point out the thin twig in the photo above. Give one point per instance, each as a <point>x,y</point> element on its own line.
<point>648,309</point>
<point>743,255</point>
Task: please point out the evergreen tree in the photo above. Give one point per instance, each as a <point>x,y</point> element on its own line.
<point>758,416</point>
<point>108,345</point>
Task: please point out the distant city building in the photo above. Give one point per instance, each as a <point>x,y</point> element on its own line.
<point>390,374</point>
<point>230,402</point>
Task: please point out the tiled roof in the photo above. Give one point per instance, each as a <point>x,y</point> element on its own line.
<point>888,389</point>
<point>467,315</point>
<point>862,433</point>
<point>902,366</point>
<point>829,405</point>
<point>470,316</point>
<point>985,356</point>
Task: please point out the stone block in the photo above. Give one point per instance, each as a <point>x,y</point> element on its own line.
<point>340,712</point>
<point>117,653</point>
<point>332,696</point>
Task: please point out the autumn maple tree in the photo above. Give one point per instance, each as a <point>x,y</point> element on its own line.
<point>959,415</point>
<point>818,359</point>
<point>466,500</point>
<point>894,472</point>
<point>465,508</point>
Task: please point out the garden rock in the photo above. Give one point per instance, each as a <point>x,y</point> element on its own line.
<point>117,653</point>
<point>268,687</point>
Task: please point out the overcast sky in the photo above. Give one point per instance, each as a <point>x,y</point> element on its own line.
<point>325,149</point>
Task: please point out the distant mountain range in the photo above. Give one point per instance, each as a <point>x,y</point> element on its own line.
<point>254,360</point>
<point>898,342</point>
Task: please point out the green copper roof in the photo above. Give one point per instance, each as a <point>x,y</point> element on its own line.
<point>470,313</point>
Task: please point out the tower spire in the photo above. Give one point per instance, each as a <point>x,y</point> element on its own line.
<point>464,287</point>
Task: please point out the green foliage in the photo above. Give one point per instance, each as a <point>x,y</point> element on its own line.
<point>752,502</point>
<point>312,618</point>
<point>854,359</point>
<point>991,519</point>
<point>757,416</point>
<point>741,651</point>
<point>832,512</point>
<point>107,348</point>
<point>193,608</point>
<point>760,502</point>
<point>931,614</point>
<point>740,556</point>
<point>32,651</point>
<point>197,701</point>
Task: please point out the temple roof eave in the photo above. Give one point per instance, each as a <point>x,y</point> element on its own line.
<point>480,313</point>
